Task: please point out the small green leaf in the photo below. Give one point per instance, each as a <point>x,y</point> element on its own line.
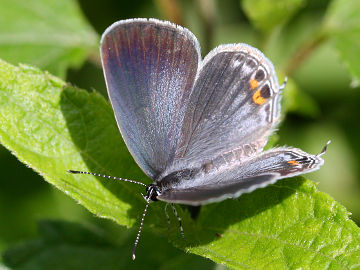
<point>50,34</point>
<point>53,127</point>
<point>64,245</point>
<point>342,23</point>
<point>268,14</point>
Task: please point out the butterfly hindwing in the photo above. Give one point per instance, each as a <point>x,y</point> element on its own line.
<point>216,182</point>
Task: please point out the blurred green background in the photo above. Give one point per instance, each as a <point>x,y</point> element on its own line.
<point>321,102</point>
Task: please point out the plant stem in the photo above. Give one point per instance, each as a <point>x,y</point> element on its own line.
<point>305,51</point>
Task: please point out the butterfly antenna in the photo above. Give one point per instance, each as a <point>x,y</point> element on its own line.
<point>140,229</point>
<point>107,176</point>
<point>283,84</point>
<point>324,149</point>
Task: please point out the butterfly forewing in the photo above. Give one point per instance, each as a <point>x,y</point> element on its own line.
<point>234,106</point>
<point>150,67</point>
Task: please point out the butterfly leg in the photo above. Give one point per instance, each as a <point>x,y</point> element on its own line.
<point>179,219</point>
<point>167,216</point>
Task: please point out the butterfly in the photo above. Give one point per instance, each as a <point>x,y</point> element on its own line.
<point>197,127</point>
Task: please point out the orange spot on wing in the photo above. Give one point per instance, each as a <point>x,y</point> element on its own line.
<point>257,98</point>
<point>293,162</point>
<point>253,84</point>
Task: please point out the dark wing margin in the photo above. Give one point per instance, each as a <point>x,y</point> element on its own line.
<point>234,106</point>
<point>232,179</point>
<point>149,67</point>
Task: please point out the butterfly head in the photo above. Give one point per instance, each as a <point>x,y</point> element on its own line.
<point>152,191</point>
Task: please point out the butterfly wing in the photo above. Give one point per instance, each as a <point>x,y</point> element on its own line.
<point>221,180</point>
<point>234,106</point>
<point>149,67</point>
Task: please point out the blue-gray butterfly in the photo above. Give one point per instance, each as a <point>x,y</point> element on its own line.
<point>196,126</point>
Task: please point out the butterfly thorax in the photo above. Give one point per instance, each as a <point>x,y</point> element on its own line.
<point>172,179</point>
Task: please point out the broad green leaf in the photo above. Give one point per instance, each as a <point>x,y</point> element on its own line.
<point>64,245</point>
<point>342,24</point>
<point>53,127</point>
<point>268,14</point>
<point>50,34</point>
<point>289,225</point>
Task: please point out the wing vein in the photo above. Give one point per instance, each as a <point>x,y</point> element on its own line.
<point>202,112</point>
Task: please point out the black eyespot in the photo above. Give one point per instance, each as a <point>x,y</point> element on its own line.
<point>265,91</point>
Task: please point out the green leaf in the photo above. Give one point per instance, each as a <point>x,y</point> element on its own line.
<point>268,14</point>
<point>289,225</point>
<point>64,245</point>
<point>50,34</point>
<point>342,24</point>
<point>53,127</point>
